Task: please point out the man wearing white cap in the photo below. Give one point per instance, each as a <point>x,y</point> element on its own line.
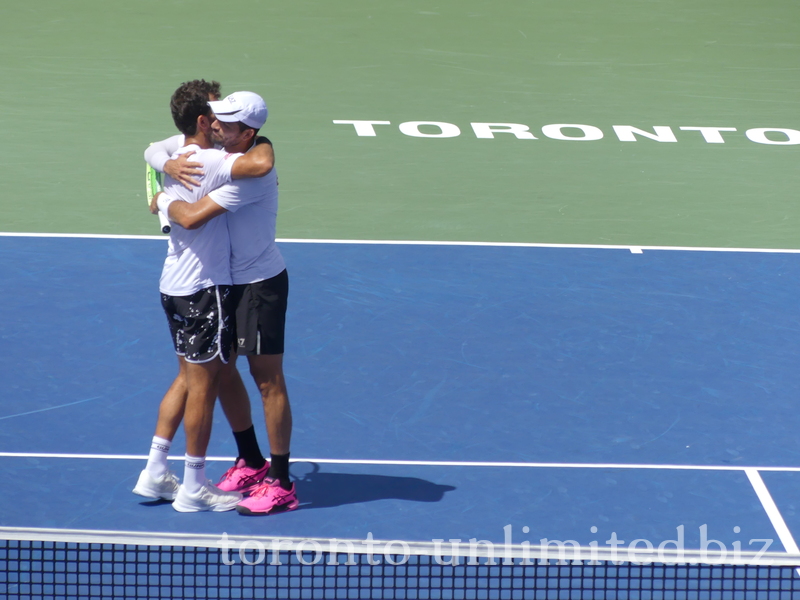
<point>261,286</point>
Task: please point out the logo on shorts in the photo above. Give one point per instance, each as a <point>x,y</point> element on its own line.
<point>241,341</point>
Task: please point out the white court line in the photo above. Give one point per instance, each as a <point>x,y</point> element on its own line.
<point>102,236</point>
<point>772,511</point>
<point>634,248</point>
<point>774,515</point>
<point>425,463</point>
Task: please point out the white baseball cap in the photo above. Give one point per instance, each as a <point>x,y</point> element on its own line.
<point>247,107</point>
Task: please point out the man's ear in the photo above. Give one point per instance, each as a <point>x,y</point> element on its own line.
<point>203,123</point>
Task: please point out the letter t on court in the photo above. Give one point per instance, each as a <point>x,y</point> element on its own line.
<point>363,128</point>
<point>710,134</point>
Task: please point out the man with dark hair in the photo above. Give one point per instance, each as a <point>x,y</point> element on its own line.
<point>261,287</point>
<point>196,295</point>
<point>182,168</point>
<point>187,102</point>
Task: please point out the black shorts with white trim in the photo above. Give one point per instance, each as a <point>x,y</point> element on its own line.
<point>261,315</point>
<point>201,324</point>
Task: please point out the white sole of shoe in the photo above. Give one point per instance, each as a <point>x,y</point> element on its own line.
<point>153,495</point>
<point>146,489</point>
<point>188,508</point>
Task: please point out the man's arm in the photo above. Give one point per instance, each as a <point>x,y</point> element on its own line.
<point>187,215</point>
<point>181,169</point>
<point>158,153</point>
<point>256,162</point>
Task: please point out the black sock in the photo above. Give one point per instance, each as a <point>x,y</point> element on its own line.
<point>247,445</point>
<point>279,469</point>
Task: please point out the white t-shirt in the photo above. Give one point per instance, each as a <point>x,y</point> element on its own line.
<point>253,206</point>
<point>198,258</point>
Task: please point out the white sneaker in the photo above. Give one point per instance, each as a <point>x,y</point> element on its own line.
<point>166,487</point>
<point>210,497</point>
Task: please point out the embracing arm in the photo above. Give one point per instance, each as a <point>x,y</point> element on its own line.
<point>187,215</point>
<point>256,162</point>
<point>158,153</point>
<point>181,169</point>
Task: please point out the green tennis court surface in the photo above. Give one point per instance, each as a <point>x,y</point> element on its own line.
<point>87,84</point>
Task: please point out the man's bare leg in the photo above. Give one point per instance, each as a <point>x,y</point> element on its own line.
<point>201,392</point>
<point>156,481</point>
<point>202,382</point>
<point>170,412</point>
<point>277,494</point>
<point>233,397</point>
<point>236,405</point>
<point>267,371</point>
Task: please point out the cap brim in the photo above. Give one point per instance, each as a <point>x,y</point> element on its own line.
<point>227,117</point>
<point>224,106</point>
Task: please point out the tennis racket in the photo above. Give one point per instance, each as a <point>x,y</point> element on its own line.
<point>153,186</point>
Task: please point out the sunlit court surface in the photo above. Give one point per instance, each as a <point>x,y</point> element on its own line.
<point>542,332</point>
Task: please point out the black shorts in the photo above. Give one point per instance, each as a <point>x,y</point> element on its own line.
<point>201,324</point>
<point>261,315</point>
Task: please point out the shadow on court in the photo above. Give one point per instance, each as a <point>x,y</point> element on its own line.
<point>155,502</point>
<point>324,490</point>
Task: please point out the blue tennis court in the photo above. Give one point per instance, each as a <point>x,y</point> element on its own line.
<point>440,392</point>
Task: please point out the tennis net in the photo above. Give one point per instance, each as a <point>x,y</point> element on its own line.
<point>38,563</point>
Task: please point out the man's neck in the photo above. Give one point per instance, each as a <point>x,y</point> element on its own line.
<point>199,139</point>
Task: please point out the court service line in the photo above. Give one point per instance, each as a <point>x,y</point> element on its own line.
<point>775,516</point>
<point>101,236</point>
<point>425,463</point>
<point>633,248</point>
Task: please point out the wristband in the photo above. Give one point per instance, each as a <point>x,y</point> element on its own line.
<point>163,203</point>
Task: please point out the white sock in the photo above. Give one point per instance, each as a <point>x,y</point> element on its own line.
<point>194,473</point>
<point>157,460</point>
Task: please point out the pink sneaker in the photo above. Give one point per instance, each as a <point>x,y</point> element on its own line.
<point>241,478</point>
<point>268,499</point>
